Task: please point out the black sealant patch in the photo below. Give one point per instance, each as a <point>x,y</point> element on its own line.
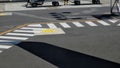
<point>64,58</point>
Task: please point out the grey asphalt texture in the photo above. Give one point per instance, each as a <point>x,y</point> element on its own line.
<point>37,16</point>
<point>79,47</point>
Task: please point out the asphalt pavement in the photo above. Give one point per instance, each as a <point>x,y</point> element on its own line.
<point>88,38</point>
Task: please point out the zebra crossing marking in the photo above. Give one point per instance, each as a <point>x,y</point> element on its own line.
<point>103,23</point>
<point>78,24</point>
<point>15,38</point>
<point>5,46</point>
<point>65,25</point>
<point>0,51</point>
<point>35,25</point>
<point>51,25</point>
<point>91,23</point>
<point>118,24</point>
<point>28,29</point>
<point>20,34</point>
<point>25,31</point>
<point>49,31</point>
<point>6,41</point>
<point>113,20</point>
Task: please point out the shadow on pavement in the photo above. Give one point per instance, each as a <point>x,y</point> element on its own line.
<point>65,58</point>
<point>106,16</point>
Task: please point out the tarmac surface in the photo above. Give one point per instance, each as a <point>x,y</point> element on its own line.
<point>88,38</point>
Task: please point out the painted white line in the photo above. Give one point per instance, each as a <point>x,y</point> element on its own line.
<point>9,13</point>
<point>5,41</point>
<point>5,46</point>
<point>103,23</point>
<point>16,38</point>
<point>25,31</point>
<point>113,20</point>
<point>91,23</point>
<point>3,14</point>
<point>0,51</point>
<point>29,29</point>
<point>49,31</point>
<point>51,25</point>
<point>65,25</point>
<point>20,34</point>
<point>78,24</point>
<point>35,25</point>
<point>118,24</point>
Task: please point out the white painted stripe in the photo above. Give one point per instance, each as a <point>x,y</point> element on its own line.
<point>91,23</point>
<point>28,29</point>
<point>113,20</point>
<point>9,13</point>
<point>103,23</point>
<point>78,24</point>
<point>5,46</point>
<point>119,24</point>
<point>0,51</point>
<point>51,25</point>
<point>5,13</point>
<point>35,25</point>
<point>20,34</point>
<point>5,41</point>
<point>65,25</point>
<point>25,31</point>
<point>10,37</point>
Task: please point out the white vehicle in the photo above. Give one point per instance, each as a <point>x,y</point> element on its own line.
<point>35,3</point>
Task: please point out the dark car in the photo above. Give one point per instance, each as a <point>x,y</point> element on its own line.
<point>34,3</point>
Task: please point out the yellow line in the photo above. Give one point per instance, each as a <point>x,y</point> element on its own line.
<point>3,14</point>
<point>10,30</point>
<point>17,27</point>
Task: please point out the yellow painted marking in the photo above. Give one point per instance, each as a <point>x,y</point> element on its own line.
<point>48,30</point>
<point>3,14</point>
<point>10,30</point>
